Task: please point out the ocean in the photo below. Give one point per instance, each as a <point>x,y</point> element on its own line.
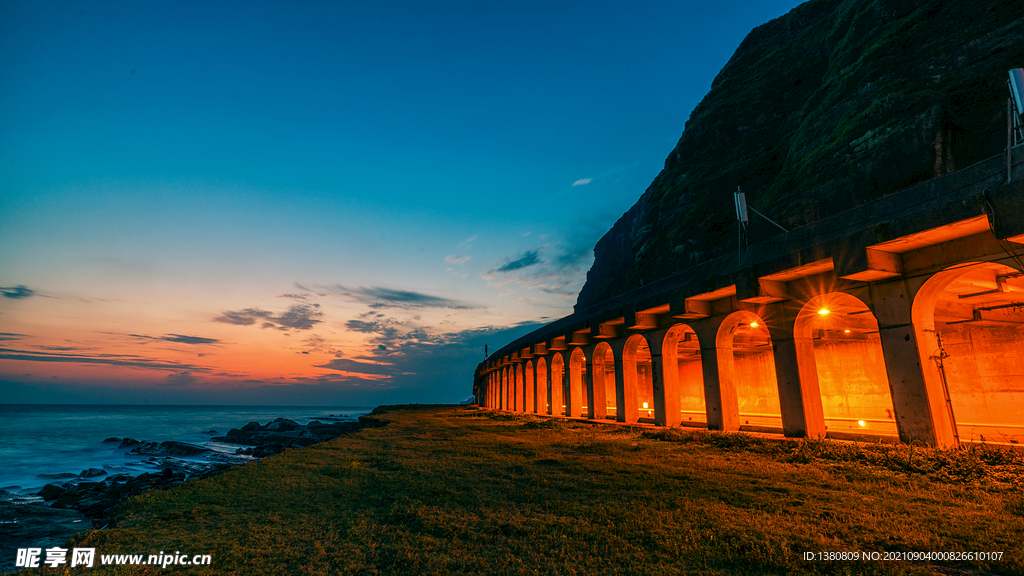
<point>47,439</point>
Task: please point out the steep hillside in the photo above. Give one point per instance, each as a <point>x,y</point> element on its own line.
<point>832,105</point>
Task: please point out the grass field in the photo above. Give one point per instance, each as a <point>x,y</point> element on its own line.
<point>464,491</point>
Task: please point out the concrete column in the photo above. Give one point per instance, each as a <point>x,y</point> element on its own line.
<point>557,387</point>
<point>542,381</point>
<point>920,407</point>
<point>797,375</point>
<point>799,393</point>
<point>565,384</point>
<point>576,384</point>
<point>517,397</point>
<point>719,384</point>
<point>666,399</point>
<point>529,388</point>
<point>625,362</point>
<point>590,383</point>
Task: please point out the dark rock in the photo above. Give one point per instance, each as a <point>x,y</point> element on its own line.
<point>92,473</point>
<point>36,526</point>
<point>112,440</point>
<point>168,448</point>
<point>96,507</point>
<point>282,425</point>
<point>51,492</point>
<point>67,500</point>
<point>61,476</point>
<point>252,427</point>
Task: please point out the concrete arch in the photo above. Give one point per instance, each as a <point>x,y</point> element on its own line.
<point>577,403</point>
<point>969,325</point>
<point>529,390</point>
<point>684,378</point>
<point>637,381</point>
<point>603,364</point>
<point>746,367</point>
<point>543,393</point>
<point>839,354</point>
<point>558,403</point>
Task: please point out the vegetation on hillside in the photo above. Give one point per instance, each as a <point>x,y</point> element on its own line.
<point>832,105</point>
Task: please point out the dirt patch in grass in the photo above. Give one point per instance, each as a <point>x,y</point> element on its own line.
<point>454,490</point>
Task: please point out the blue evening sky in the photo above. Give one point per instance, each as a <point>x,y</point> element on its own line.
<point>194,158</point>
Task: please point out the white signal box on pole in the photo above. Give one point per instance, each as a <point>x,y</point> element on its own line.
<point>741,206</point>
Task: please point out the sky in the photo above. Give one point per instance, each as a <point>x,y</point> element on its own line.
<point>335,203</point>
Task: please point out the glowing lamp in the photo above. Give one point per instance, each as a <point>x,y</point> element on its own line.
<point>846,331</point>
<point>645,404</point>
<point>861,422</point>
<point>823,311</point>
<point>753,324</point>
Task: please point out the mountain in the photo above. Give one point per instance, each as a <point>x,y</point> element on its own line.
<point>834,104</point>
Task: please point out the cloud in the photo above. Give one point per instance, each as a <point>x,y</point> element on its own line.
<point>177,338</point>
<point>582,182</point>
<point>528,258</point>
<point>562,269</point>
<point>129,361</point>
<point>415,357</point>
<point>453,259</point>
<point>316,343</point>
<point>17,292</point>
<point>10,336</point>
<point>297,317</point>
<point>181,379</point>
<point>295,296</point>
<point>358,367</point>
<point>245,317</point>
<point>188,339</point>
<point>59,348</point>
<point>465,243</point>
<point>377,297</point>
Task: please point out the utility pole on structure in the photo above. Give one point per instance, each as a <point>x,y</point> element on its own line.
<point>1014,110</point>
<point>741,215</point>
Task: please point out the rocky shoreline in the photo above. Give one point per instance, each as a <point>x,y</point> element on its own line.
<point>91,498</point>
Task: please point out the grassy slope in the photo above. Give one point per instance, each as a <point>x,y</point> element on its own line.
<point>455,490</point>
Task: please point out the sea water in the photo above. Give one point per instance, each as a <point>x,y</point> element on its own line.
<point>48,439</point>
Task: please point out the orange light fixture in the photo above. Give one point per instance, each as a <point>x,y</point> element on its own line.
<point>754,324</point>
<point>847,331</point>
<point>823,311</point>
